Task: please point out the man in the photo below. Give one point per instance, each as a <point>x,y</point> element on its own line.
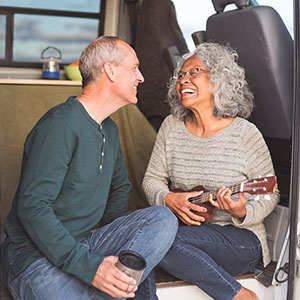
<point>73,176</point>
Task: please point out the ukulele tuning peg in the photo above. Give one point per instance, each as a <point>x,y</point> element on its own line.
<point>269,175</point>
<point>267,197</point>
<point>259,176</point>
<point>256,198</point>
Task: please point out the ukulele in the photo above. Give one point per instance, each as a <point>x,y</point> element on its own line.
<point>262,185</point>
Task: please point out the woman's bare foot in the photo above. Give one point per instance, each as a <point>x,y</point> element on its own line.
<point>245,294</point>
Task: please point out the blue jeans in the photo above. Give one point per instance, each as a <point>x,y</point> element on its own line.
<point>210,255</point>
<point>150,232</point>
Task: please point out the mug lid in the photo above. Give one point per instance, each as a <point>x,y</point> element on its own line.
<point>132,260</point>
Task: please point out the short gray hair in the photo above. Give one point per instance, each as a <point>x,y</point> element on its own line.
<point>232,96</point>
<point>103,50</point>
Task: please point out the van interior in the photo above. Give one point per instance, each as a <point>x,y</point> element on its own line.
<point>266,51</point>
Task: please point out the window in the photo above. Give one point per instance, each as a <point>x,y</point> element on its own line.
<point>192,20</point>
<point>27,27</point>
<point>2,36</point>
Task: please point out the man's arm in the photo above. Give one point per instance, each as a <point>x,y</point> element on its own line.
<point>48,152</point>
<point>117,203</point>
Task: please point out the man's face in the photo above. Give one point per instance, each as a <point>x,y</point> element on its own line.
<point>128,75</point>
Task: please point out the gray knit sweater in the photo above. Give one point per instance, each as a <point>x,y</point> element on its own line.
<point>236,154</point>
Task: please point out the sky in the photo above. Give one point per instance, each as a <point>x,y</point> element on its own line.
<point>191,20</point>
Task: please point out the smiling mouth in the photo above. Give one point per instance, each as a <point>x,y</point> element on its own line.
<point>187,92</point>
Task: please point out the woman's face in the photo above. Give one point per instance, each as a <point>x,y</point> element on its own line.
<point>194,92</point>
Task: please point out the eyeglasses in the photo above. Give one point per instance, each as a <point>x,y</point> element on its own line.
<point>190,74</point>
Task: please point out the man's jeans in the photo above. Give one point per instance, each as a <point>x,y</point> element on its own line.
<point>150,232</point>
<point>210,255</point>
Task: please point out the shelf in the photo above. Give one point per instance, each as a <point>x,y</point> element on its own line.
<point>39,82</point>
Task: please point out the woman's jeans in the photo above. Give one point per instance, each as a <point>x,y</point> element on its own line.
<point>210,255</point>
<point>149,232</point>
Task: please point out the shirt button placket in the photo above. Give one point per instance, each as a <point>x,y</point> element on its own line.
<point>102,150</point>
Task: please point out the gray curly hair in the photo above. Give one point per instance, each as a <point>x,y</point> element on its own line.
<point>232,96</point>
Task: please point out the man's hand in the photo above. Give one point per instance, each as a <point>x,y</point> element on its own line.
<point>181,206</point>
<point>112,281</point>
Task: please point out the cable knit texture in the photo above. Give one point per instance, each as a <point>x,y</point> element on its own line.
<point>236,154</point>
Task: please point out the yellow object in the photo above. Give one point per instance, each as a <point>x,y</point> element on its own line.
<point>73,73</point>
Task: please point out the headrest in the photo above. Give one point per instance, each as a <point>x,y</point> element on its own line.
<point>268,61</point>
<point>219,5</point>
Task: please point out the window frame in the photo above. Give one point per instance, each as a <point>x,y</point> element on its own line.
<point>9,13</point>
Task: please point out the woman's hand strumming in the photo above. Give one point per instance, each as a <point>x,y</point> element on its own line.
<point>179,204</point>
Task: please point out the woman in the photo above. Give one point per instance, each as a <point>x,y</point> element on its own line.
<point>206,141</point>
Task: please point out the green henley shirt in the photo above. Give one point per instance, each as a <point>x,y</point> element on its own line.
<point>73,176</point>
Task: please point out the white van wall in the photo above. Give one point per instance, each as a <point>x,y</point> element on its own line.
<point>276,226</point>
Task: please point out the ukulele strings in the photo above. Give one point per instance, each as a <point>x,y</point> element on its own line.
<point>205,196</point>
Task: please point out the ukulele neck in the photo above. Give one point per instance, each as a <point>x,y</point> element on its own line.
<point>236,188</point>
<point>261,185</point>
